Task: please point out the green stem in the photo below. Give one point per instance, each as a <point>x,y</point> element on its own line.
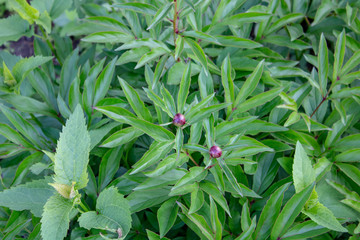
<point>82,205</point>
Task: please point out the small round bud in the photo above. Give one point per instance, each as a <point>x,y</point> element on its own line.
<point>179,120</point>
<point>215,152</point>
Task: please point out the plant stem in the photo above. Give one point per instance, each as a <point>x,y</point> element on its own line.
<point>323,100</point>
<point>82,205</point>
<point>49,44</point>
<point>191,158</point>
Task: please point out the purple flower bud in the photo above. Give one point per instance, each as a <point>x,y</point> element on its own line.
<point>179,120</point>
<point>215,152</point>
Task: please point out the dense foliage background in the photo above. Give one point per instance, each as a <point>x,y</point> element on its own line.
<point>89,90</point>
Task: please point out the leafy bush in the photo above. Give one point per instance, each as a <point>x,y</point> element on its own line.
<point>183,119</point>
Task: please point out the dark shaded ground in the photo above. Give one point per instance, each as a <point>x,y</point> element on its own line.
<point>23,47</point>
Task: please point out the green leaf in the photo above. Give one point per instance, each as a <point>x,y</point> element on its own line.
<point>26,11</point>
<point>108,167</point>
<point>290,211</point>
<point>184,89</point>
<point>138,7</point>
<point>142,199</point>
<point>195,116</point>
<point>225,8</point>
<point>13,136</point>
<point>348,143</point>
<point>233,41</point>
<point>270,212</point>
<point>55,218</point>
<point>72,152</point>
<point>287,19</point>
<point>135,102</point>
<point>339,54</point>
<point>112,213</point>
<point>197,200</point>
<point>23,67</point>
<point>28,105</point>
<point>9,79</point>
<point>248,17</point>
<point>303,230</point>
<point>230,176</point>
<point>121,137</point>
<point>23,126</point>
<point>103,82</point>
<point>323,63</point>
<point>324,217</point>
<point>250,84</point>
<point>152,55</point>
<point>351,171</point>
<point>30,196</point>
<point>215,193</point>
<point>258,100</point>
<point>227,83</point>
<point>199,221</point>
<point>157,151</point>
<point>351,63</point>
<point>352,203</point>
<point>195,174</point>
<point>248,233</point>
<point>343,190</point>
<point>352,155</point>
<point>13,28</point>
<point>24,167</point>
<point>215,221</point>
<point>245,216</point>
<point>233,127</point>
<point>167,215</point>
<point>108,37</point>
<point>160,14</point>
<point>199,53</point>
<point>157,132</point>
<point>303,172</point>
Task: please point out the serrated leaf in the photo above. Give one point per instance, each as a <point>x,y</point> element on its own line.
<point>13,28</point>
<point>30,196</point>
<point>113,213</point>
<point>72,152</point>
<point>55,218</point>
<point>324,217</point>
<point>23,8</point>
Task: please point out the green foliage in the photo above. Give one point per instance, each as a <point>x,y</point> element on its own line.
<point>90,149</point>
